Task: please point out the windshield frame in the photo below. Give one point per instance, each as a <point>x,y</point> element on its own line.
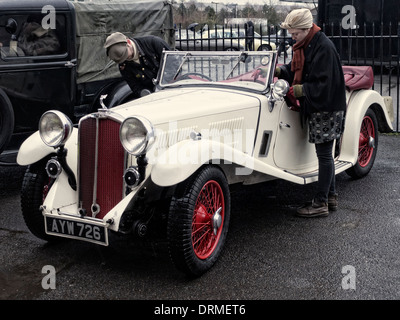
<point>183,57</point>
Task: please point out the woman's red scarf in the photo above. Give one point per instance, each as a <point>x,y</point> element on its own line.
<point>298,54</point>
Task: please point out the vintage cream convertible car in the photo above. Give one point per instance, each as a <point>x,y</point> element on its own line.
<point>166,161</point>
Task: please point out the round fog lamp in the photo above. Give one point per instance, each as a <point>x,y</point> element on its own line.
<point>53,168</point>
<point>132,177</point>
<point>55,128</point>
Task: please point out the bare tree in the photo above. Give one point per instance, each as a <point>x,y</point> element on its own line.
<point>190,11</point>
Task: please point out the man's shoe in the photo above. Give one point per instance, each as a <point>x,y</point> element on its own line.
<point>313,209</point>
<point>333,202</point>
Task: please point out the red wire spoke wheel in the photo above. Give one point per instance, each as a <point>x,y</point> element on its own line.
<point>198,220</point>
<point>207,219</point>
<point>46,188</point>
<point>367,141</point>
<point>367,146</point>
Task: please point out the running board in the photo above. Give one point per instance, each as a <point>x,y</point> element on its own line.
<point>312,176</point>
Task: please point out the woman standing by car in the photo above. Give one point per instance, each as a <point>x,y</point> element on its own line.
<point>316,77</point>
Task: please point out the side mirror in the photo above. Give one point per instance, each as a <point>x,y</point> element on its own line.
<point>278,90</point>
<point>11,26</point>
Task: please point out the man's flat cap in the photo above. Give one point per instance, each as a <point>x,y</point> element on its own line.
<point>116,46</point>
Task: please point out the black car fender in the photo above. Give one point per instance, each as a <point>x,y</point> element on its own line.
<point>6,120</point>
<point>117,93</point>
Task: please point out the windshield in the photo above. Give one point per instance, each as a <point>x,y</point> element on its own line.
<point>249,70</point>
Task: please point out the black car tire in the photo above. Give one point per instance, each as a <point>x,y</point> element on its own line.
<point>366,151</point>
<point>35,186</point>
<point>193,244</point>
<point>6,121</point>
<point>264,47</point>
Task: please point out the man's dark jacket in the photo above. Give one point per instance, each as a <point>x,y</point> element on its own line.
<point>323,80</point>
<point>140,76</point>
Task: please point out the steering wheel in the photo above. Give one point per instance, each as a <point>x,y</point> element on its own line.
<point>195,74</point>
<point>257,74</point>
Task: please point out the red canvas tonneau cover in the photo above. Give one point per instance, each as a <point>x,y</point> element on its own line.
<point>357,77</point>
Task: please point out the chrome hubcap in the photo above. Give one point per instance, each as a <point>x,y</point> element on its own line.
<point>371,142</point>
<point>216,220</point>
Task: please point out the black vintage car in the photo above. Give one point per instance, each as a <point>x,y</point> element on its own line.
<point>52,57</point>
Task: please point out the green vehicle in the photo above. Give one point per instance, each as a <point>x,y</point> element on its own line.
<point>68,70</point>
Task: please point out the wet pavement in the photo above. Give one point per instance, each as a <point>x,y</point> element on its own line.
<point>270,254</point>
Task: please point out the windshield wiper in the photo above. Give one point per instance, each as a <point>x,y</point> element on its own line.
<point>185,57</point>
<point>242,58</point>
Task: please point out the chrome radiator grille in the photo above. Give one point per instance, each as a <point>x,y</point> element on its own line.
<point>101,166</point>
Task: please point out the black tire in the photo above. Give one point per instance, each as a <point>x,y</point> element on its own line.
<point>368,146</point>
<point>190,222</point>
<point>35,185</point>
<point>6,121</point>
<point>264,47</point>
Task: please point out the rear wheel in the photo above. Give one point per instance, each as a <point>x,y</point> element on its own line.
<point>367,146</point>
<point>35,187</point>
<point>198,221</point>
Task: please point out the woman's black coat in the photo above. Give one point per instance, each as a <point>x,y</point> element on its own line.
<point>323,80</point>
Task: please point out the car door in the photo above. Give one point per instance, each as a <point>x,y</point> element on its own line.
<point>292,151</point>
<point>37,67</point>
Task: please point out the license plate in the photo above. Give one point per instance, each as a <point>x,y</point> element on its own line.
<point>91,231</point>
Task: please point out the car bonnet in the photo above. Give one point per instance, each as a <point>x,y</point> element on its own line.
<point>187,103</point>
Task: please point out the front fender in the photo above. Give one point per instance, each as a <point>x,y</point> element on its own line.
<point>116,95</point>
<point>181,160</point>
<point>33,149</point>
<point>358,105</point>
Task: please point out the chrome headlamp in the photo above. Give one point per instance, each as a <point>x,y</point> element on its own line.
<point>136,135</point>
<point>281,88</point>
<point>55,128</point>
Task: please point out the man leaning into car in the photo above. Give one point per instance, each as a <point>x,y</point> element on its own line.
<point>316,77</point>
<point>138,59</point>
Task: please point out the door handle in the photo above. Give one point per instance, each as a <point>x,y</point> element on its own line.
<point>70,64</point>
